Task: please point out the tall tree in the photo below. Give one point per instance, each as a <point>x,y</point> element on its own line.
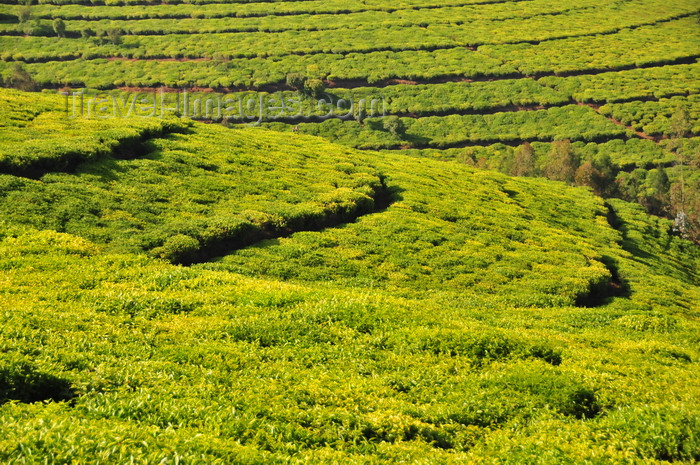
<point>587,175</point>
<point>24,14</point>
<point>680,127</point>
<point>59,27</point>
<point>681,124</point>
<point>21,79</point>
<point>655,195</point>
<point>114,35</point>
<point>524,163</point>
<point>561,162</point>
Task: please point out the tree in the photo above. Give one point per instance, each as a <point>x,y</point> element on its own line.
<point>101,34</point>
<point>59,27</point>
<point>114,35</point>
<point>87,33</point>
<point>21,79</point>
<point>587,175</point>
<point>524,163</point>
<point>682,221</point>
<point>24,14</point>
<point>37,28</point>
<point>655,195</point>
<point>394,125</point>
<point>681,123</point>
<point>606,171</point>
<point>467,156</point>
<point>360,114</point>
<point>561,162</point>
<point>680,127</point>
<point>630,185</point>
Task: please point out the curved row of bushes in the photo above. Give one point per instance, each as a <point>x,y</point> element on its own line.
<point>33,144</point>
<point>569,122</point>
<point>228,45</point>
<point>364,37</point>
<point>664,43</point>
<point>264,4</point>
<point>300,15</point>
<point>634,84</point>
<point>258,72</point>
<point>657,118</point>
<point>182,197</point>
<point>457,96</point>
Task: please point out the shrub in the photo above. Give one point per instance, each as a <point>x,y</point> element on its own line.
<point>59,27</point>
<point>178,249</point>
<point>394,126</point>
<point>559,390</point>
<point>296,81</point>
<point>315,87</point>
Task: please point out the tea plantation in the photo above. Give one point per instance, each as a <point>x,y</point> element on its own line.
<point>391,308</point>
<point>500,267</point>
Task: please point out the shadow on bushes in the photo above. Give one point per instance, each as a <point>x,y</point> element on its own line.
<point>23,383</point>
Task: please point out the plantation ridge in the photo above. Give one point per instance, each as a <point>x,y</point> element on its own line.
<point>362,232</point>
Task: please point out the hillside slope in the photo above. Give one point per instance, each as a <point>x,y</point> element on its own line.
<point>390,308</point>
<point>481,78</point>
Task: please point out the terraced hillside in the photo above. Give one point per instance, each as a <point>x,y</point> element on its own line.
<point>242,44</point>
<point>463,74</point>
<point>366,308</point>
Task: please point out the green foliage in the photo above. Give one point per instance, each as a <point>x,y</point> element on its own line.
<point>364,36</point>
<point>296,81</point>
<point>24,14</point>
<point>561,162</point>
<point>87,32</point>
<point>36,142</point>
<point>656,82</point>
<point>82,66</point>
<point>524,161</point>
<point>225,208</point>
<point>36,28</point>
<point>647,45</point>
<point>364,307</point>
<point>568,122</point>
<point>459,96</point>
<point>659,117</point>
<point>394,125</point>
<point>178,248</point>
<point>315,87</point>
<point>19,381</point>
<point>636,170</point>
<point>59,27</point>
<point>442,327</point>
<point>114,34</point>
<point>680,124</point>
<point>21,79</point>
